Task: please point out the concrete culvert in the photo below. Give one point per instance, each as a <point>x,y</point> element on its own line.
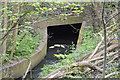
<point>60,39</point>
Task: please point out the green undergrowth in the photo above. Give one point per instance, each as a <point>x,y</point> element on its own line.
<point>27,43</point>
<point>90,41</point>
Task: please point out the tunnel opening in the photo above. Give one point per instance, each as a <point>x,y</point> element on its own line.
<point>63,34</point>
<point>62,39</point>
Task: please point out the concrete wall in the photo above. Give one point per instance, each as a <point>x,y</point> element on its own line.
<point>18,68</point>
<point>58,21</point>
<point>80,34</point>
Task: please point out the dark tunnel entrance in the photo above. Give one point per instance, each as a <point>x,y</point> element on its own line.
<point>63,34</point>
<point>61,38</point>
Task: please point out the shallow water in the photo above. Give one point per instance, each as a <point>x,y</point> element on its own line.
<point>49,59</point>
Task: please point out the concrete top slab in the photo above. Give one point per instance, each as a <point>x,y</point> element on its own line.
<point>58,21</point>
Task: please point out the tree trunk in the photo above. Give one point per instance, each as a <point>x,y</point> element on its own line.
<point>3,49</point>
<point>15,35</point>
<point>1,20</point>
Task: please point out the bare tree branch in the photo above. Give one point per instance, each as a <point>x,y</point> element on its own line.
<point>104,27</point>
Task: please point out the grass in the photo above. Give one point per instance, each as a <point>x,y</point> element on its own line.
<point>27,44</point>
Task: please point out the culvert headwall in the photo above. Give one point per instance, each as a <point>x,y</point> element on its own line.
<point>71,21</point>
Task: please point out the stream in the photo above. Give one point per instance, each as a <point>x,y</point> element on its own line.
<point>50,59</point>
<point>60,39</point>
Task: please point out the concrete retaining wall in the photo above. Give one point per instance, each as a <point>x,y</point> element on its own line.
<point>18,68</point>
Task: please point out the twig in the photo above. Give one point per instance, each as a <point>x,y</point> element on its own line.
<point>96,49</point>
<point>74,28</point>
<point>107,28</point>
<point>54,72</point>
<point>27,69</point>
<point>112,17</point>
<point>111,74</point>
<point>116,57</point>
<point>111,54</point>
<point>109,49</point>
<point>59,72</point>
<point>108,42</point>
<point>98,62</point>
<point>90,65</point>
